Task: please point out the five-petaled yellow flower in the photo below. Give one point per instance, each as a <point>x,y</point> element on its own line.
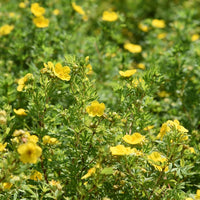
<point>62,72</point>
<point>20,111</point>
<point>136,138</point>
<point>128,73</point>
<point>37,10</point>
<point>109,16</point>
<point>41,22</point>
<point>29,152</point>
<point>133,48</point>
<point>96,109</point>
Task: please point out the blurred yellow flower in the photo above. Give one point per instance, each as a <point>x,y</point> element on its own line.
<point>136,138</point>
<point>20,111</point>
<point>143,27</point>
<point>158,23</point>
<point>192,150</point>
<point>195,37</point>
<point>49,140</point>
<point>22,81</point>
<point>36,176</point>
<point>2,146</point>
<point>121,150</point>
<point>157,160</point>
<point>128,73</point>
<point>22,5</point>
<point>6,29</point>
<point>18,132</point>
<point>109,16</point>
<point>163,94</point>
<point>161,35</point>
<point>7,186</point>
<point>133,48</point>
<point>33,138</point>
<point>56,12</point>
<point>197,197</point>
<point>95,109</point>
<point>148,128</point>
<point>46,139</point>
<point>78,9</point>
<point>29,152</point>
<point>163,130</point>
<point>41,22</point>
<point>37,10</point>
<point>189,198</point>
<point>156,157</point>
<point>62,72</point>
<point>141,66</point>
<point>89,173</point>
<point>89,69</point>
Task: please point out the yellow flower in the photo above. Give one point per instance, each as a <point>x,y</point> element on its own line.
<point>95,109</point>
<point>7,186</point>
<point>89,69</point>
<point>37,10</point>
<point>136,138</point>
<point>148,128</point>
<point>36,176</point>
<point>158,161</point>
<point>18,133</point>
<point>6,29</point>
<point>161,35</point>
<point>78,9</point>
<point>158,23</point>
<point>90,172</point>
<point>33,138</point>
<point>56,12</point>
<point>197,197</point>
<point>46,139</point>
<point>195,37</point>
<point>128,73</point>
<point>192,150</point>
<point>143,27</point>
<point>109,16</point>
<point>29,152</point>
<point>41,22</point>
<point>163,130</point>
<point>141,66</point>
<point>121,150</point>
<point>133,48</point>
<point>53,141</point>
<point>22,5</point>
<point>2,146</point>
<point>20,112</point>
<point>156,157</point>
<point>48,66</point>
<point>189,198</point>
<point>22,81</point>
<point>62,72</point>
